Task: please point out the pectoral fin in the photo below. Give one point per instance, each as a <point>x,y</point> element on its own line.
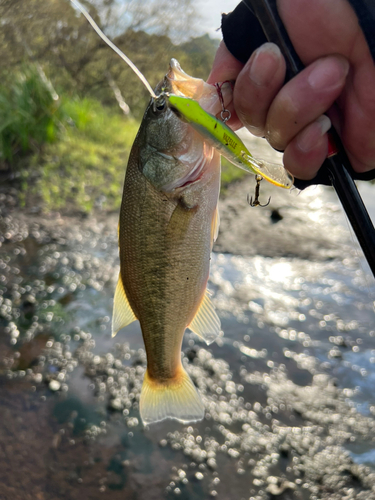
<point>122,312</point>
<point>215,226</point>
<point>206,323</point>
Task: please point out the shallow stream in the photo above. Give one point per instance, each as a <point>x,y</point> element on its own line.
<point>288,388</point>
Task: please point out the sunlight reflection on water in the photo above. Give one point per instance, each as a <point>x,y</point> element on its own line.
<point>297,357</point>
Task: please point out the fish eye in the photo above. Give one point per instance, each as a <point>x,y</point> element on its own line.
<point>159,105</point>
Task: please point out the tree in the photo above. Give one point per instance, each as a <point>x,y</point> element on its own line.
<point>173,18</point>
<point>57,37</point>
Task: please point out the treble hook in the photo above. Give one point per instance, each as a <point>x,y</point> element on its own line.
<point>256,202</point>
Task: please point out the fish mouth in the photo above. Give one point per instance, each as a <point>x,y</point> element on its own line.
<point>183,84</point>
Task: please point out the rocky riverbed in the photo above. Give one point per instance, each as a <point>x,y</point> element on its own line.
<point>288,388</point>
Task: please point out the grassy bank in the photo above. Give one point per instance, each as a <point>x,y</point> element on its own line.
<point>86,166</point>
<point>67,152</point>
<point>62,150</point>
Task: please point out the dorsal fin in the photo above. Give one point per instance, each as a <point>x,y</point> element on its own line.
<point>122,312</point>
<point>206,323</point>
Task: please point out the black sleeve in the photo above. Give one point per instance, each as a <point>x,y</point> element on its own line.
<point>242,34</point>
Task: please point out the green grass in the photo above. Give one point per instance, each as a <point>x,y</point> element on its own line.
<point>86,166</point>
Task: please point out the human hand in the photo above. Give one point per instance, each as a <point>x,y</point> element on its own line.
<point>339,81</point>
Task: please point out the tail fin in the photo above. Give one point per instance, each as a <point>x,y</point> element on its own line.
<point>174,398</point>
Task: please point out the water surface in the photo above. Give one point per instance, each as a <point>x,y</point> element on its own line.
<point>288,388</point>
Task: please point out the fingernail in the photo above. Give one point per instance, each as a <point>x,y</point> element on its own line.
<point>264,63</point>
<point>308,139</point>
<point>328,73</point>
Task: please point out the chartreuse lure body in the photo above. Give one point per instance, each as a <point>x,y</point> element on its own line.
<point>227,142</point>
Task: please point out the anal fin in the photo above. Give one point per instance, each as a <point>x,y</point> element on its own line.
<point>206,323</point>
<point>122,312</point>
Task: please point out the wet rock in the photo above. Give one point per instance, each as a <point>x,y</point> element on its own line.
<point>7,358</point>
<point>28,306</point>
<point>276,216</point>
<point>304,229</point>
<point>29,352</point>
<point>191,354</point>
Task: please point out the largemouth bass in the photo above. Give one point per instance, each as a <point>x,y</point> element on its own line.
<point>168,223</point>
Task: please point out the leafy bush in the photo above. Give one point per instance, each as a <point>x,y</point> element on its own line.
<point>29,115</point>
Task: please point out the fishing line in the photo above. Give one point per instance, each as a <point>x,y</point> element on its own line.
<point>113,47</point>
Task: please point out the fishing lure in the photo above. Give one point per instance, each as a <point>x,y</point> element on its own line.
<point>227,142</point>
<point>217,132</point>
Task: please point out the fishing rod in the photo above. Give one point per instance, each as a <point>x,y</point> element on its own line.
<point>337,165</point>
